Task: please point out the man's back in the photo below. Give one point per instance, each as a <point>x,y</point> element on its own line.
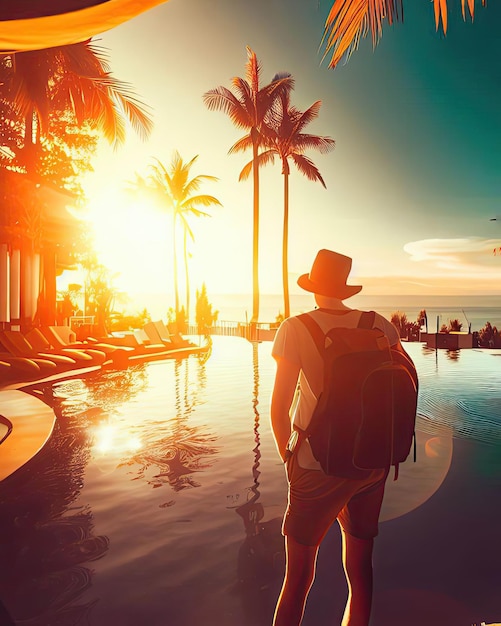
<point>294,343</point>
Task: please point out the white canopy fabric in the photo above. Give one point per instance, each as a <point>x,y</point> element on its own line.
<point>35,25</point>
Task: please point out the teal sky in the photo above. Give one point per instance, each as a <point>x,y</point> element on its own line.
<point>411,186</point>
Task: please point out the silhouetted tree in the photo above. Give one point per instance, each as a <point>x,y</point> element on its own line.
<point>247,109</point>
<point>284,138</point>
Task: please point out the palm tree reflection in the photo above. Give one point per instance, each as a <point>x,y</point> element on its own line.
<point>176,449</point>
<point>261,556</point>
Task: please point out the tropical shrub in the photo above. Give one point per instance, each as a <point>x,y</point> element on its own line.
<point>119,322</point>
<point>455,325</point>
<point>204,315</point>
<point>422,318</point>
<point>400,321</point>
<point>489,337</point>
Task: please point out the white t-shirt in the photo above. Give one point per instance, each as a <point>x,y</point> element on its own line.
<point>294,343</point>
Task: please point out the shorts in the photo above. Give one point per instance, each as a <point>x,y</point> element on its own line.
<point>316,500</point>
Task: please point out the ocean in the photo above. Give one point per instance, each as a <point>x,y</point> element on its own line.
<point>469,310</point>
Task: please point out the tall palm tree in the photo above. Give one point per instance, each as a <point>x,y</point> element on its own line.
<point>285,139</point>
<point>77,77</point>
<point>350,20</point>
<point>247,109</point>
<point>174,190</point>
<point>187,231</point>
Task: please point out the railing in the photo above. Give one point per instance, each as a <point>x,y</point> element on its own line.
<point>81,320</point>
<point>253,332</point>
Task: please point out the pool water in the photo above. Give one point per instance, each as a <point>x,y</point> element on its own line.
<point>159,498</point>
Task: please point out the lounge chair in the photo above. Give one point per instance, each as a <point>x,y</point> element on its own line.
<point>63,337</point>
<point>14,344</point>
<point>158,332</point>
<point>167,336</point>
<point>16,369</point>
<point>147,341</point>
<point>83,356</point>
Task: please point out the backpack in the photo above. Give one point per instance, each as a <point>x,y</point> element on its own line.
<point>365,417</point>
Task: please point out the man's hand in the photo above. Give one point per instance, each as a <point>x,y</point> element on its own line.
<point>281,400</point>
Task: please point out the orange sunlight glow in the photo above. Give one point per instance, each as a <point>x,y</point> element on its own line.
<point>132,240</point>
<point>112,439</point>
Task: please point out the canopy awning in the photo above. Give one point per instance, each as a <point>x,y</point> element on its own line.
<point>38,24</point>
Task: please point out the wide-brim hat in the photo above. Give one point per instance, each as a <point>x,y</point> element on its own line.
<point>328,276</point>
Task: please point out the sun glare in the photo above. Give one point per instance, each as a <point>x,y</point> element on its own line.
<point>131,239</point>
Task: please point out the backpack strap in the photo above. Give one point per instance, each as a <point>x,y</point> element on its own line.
<point>315,331</point>
<point>366,319</point>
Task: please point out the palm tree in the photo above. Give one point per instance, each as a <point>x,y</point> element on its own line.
<point>247,109</point>
<point>43,83</point>
<point>173,189</point>
<point>286,140</point>
<point>350,20</point>
<point>183,216</point>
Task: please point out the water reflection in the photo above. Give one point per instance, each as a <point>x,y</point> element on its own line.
<point>261,556</point>
<point>116,387</point>
<point>46,542</point>
<point>452,355</point>
<point>172,448</point>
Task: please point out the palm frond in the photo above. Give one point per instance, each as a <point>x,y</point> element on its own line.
<point>307,168</point>
<point>274,91</point>
<point>244,143</point>
<point>304,142</point>
<point>244,92</point>
<point>102,110</point>
<point>246,171</point>
<point>440,9</point>
<point>85,64</point>
<point>350,20</point>
<point>252,70</point>
<point>222,99</point>
<point>262,159</point>
<point>302,119</point>
<point>471,7</point>
<point>194,183</point>
<point>201,200</point>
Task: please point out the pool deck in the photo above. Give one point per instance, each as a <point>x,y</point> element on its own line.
<point>32,424</point>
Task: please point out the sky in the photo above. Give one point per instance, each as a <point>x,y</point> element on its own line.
<point>412,183</point>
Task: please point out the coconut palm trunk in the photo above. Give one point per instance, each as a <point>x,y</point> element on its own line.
<point>255,230</point>
<point>174,261</point>
<point>186,274</point>
<point>285,241</point>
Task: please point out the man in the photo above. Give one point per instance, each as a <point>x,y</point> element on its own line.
<point>315,499</point>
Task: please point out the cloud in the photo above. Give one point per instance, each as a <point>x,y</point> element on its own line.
<point>469,255</point>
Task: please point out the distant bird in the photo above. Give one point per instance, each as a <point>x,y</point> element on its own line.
<point>495,219</point>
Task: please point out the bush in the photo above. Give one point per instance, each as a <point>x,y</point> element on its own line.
<point>488,337</point>
<point>455,325</point>
<point>400,321</point>
<point>205,317</point>
<point>119,322</point>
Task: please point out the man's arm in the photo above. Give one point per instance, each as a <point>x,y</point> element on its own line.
<point>281,400</point>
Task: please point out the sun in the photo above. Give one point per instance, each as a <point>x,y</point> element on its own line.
<point>132,239</point>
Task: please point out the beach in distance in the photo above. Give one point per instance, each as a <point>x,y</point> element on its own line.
<point>474,310</point>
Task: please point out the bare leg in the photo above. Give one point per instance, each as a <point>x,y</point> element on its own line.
<point>299,576</point>
<point>357,562</point>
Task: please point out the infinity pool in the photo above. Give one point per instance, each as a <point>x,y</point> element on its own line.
<point>159,498</point>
